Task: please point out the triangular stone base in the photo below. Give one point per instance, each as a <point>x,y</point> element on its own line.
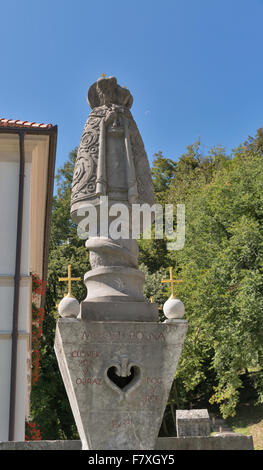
<point>118,377</point>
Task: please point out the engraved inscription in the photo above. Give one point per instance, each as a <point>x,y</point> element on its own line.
<point>124,423</point>
<point>89,380</point>
<point>151,399</point>
<point>84,360</point>
<point>124,336</point>
<point>154,380</point>
<point>91,354</point>
<point>153,390</point>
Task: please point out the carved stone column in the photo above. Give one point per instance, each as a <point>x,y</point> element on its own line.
<point>116,359</point>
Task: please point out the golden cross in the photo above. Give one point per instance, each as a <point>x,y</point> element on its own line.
<point>69,279</point>
<point>172,281</point>
<point>103,75</point>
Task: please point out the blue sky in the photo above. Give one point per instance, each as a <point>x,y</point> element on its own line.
<point>194,67</point>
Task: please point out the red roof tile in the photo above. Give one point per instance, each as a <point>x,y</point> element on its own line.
<point>17,123</point>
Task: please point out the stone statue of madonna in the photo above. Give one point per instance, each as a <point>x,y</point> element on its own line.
<point>111,158</point>
<point>112,162</point>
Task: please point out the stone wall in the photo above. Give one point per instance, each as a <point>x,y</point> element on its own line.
<point>222,441</point>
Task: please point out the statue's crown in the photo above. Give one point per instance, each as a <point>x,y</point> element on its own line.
<point>106,91</point>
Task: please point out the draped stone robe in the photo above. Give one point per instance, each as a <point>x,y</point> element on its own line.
<point>111,160</point>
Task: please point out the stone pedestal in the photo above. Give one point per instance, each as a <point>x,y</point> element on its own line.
<point>192,423</point>
<point>114,281</point>
<point>118,377</point>
<point>111,310</point>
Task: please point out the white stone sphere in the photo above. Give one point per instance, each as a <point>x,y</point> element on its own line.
<point>68,307</point>
<point>173,308</point>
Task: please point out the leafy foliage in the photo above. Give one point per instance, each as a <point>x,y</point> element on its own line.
<point>221,264</point>
<point>49,403</point>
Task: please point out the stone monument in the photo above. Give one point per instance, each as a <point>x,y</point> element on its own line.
<point>116,359</point>
<point>193,423</point>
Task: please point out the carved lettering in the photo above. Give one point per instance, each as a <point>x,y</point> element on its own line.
<point>151,399</point>
<point>89,381</point>
<point>121,424</point>
<point>125,336</point>
<point>89,354</point>
<point>154,380</point>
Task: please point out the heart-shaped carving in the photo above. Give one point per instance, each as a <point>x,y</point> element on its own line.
<point>123,376</point>
<point>121,382</point>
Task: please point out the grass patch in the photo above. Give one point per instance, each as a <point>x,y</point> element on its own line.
<point>249,421</point>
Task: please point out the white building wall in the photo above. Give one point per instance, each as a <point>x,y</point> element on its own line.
<point>9,174</point>
<point>9,182</point>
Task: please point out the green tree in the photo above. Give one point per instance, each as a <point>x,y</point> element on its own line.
<point>162,172</point>
<point>221,265</point>
<point>49,403</point>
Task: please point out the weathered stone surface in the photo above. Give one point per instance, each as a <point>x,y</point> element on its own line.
<point>223,441</point>
<point>192,423</point>
<point>119,311</point>
<point>106,91</point>
<point>111,157</point>
<point>68,307</point>
<point>118,376</point>
<point>173,308</point>
<point>114,282</point>
<point>41,445</point>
